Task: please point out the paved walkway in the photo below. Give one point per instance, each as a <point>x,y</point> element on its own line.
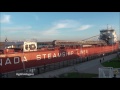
<point>85,67</point>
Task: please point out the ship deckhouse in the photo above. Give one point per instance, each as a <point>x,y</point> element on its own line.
<point>25,46</point>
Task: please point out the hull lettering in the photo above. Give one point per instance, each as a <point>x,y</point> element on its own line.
<point>38,57</point>
<point>7,61</point>
<point>16,60</point>
<point>0,62</point>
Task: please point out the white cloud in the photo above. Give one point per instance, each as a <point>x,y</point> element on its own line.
<point>5,19</point>
<point>17,28</point>
<point>84,27</point>
<point>51,31</point>
<point>61,24</point>
<point>66,24</point>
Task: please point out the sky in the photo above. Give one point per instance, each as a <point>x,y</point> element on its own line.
<point>49,26</point>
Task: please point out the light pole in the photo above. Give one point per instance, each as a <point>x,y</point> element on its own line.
<point>112,44</point>
<point>23,63</point>
<point>23,59</point>
<point>94,52</point>
<point>81,51</point>
<point>119,32</point>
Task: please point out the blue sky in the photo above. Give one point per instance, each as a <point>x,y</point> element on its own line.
<point>48,26</point>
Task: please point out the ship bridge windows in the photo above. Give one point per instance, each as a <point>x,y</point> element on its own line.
<point>26,47</point>
<point>32,46</point>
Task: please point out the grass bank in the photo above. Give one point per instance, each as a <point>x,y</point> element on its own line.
<point>115,63</point>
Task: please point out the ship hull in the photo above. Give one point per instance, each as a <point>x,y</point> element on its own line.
<point>17,61</point>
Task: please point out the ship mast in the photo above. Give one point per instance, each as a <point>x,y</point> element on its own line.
<point>107,26</point>
<point>119,31</point>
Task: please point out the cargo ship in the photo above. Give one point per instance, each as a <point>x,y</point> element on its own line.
<point>22,55</point>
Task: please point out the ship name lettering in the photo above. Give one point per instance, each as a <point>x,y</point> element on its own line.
<point>7,61</point>
<point>49,56</point>
<point>38,57</point>
<point>0,62</point>
<point>63,54</point>
<point>68,53</point>
<point>54,55</point>
<point>44,55</point>
<point>77,52</point>
<point>72,52</point>
<point>59,54</point>
<point>16,60</point>
<point>24,59</point>
<point>84,51</point>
